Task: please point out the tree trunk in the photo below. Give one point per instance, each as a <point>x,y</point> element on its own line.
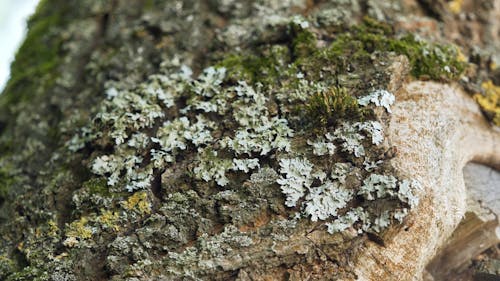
<point>250,140</point>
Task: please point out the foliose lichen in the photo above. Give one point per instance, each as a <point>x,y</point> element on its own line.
<point>489,100</point>
<point>236,123</point>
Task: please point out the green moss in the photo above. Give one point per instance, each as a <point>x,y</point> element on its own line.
<point>6,181</point>
<point>149,5</point>
<point>248,67</point>
<point>97,186</point>
<point>327,108</point>
<point>29,274</point>
<point>303,41</point>
<point>6,146</point>
<point>434,61</point>
<point>7,266</point>
<point>38,57</point>
<point>263,66</point>
<point>357,46</point>
<point>357,49</point>
<point>428,60</point>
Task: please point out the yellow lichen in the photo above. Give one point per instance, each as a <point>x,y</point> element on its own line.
<point>38,232</point>
<point>109,219</point>
<point>20,246</point>
<point>53,228</point>
<point>138,202</point>
<point>493,65</point>
<point>79,229</point>
<point>61,256</point>
<point>460,56</point>
<point>490,101</point>
<point>455,6</point>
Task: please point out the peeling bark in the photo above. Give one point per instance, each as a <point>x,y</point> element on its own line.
<point>438,129</point>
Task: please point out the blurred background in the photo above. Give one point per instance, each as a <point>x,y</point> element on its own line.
<point>13,16</point>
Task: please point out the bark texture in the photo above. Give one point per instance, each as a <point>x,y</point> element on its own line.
<point>104,84</point>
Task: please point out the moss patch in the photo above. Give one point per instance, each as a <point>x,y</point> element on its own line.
<point>29,274</point>
<point>303,41</point>
<point>326,108</point>
<point>97,186</point>
<point>261,67</point>
<point>353,51</point>
<point>39,55</point>
<point>6,181</point>
<point>357,47</point>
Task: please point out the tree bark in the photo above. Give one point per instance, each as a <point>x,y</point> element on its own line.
<point>171,140</point>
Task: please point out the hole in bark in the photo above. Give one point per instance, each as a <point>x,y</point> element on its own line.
<point>155,31</point>
<point>431,8</point>
<point>2,126</point>
<point>478,231</point>
<point>156,184</point>
<point>20,258</point>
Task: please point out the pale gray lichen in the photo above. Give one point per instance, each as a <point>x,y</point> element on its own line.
<point>112,166</point>
<point>324,201</point>
<point>322,146</point>
<point>378,186</point>
<point>382,221</point>
<point>408,190</point>
<point>257,132</point>
<point>211,167</point>
<point>108,164</point>
<point>329,199</point>
<point>351,139</point>
<point>301,92</point>
<point>174,135</point>
<point>374,128</point>
<point>209,82</point>
<point>379,98</point>
<point>348,220</point>
<point>400,214</point>
<point>370,165</point>
<point>128,109</point>
<point>78,141</point>
<point>300,21</point>
<point>340,171</point>
<point>266,135</point>
<point>206,254</point>
<point>297,179</point>
<point>131,140</point>
<point>245,165</point>
<point>264,176</point>
<point>230,236</point>
<point>139,141</point>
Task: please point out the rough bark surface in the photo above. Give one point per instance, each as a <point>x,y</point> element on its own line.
<point>65,214</point>
<point>445,132</point>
